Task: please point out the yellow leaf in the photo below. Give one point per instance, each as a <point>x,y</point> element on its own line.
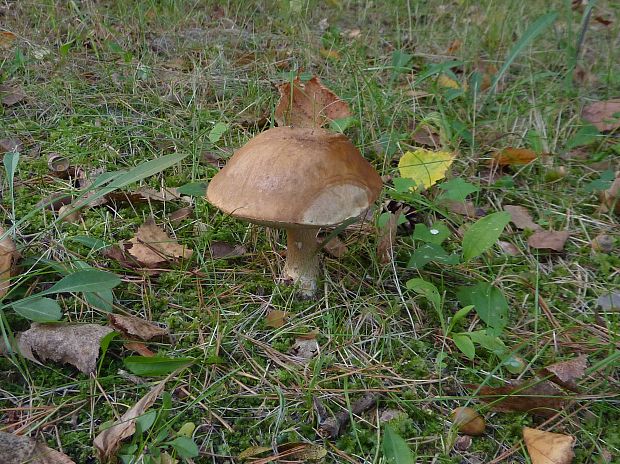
<point>448,82</point>
<point>548,448</point>
<point>425,167</point>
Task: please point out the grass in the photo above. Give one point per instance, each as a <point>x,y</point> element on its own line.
<point>113,84</point>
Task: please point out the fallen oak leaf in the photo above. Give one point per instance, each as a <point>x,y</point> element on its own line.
<point>308,104</point>
<point>109,440</point>
<point>16,449</point>
<point>76,344</point>
<point>541,398</point>
<point>152,247</point>
<point>334,247</point>
<point>566,373</point>
<point>548,240</point>
<point>180,214</point>
<point>547,447</point>
<point>510,156</point>
<point>604,115</point>
<point>521,218</point>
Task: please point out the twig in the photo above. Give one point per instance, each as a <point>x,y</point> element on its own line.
<point>333,426</point>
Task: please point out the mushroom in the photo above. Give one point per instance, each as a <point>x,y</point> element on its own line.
<point>298,179</point>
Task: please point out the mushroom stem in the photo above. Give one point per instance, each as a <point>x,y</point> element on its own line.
<point>302,261</point>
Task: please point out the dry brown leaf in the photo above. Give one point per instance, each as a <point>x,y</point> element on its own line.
<point>601,114</point>
<point>76,344</point>
<point>464,208</point>
<point>8,257</point>
<point>454,46</point>
<point>583,76</point>
<point>6,39</point>
<point>548,240</point>
<point>305,348</point>
<point>68,213</point>
<point>213,159</point>
<point>308,104</point>
<point>108,441</point>
<point>139,348</point>
<point>387,238</point>
<point>510,156</point>
<point>220,250</point>
<point>58,165</point>
<point>509,248</point>
<point>136,327</point>
<point>11,144</point>
<point>335,247</point>
<point>540,398</point>
<point>152,247</point>
<point>611,197</point>
<point>548,448</point>
<point>521,217</point>
<point>566,373</point>
<point>16,449</point>
<point>179,215</point>
<point>276,318</point>
<point>144,195</point>
<point>11,94</point>
<point>603,243</point>
<point>427,136</point>
<point>468,421</point>
<point>602,20</point>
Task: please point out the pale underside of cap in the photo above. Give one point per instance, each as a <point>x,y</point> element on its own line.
<point>296,177</point>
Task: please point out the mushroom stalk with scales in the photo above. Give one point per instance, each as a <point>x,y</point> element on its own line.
<point>297,179</point>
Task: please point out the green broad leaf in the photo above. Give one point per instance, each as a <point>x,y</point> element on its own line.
<point>38,309</point>
<point>489,303</point>
<point>185,447</point>
<point>431,252</point>
<point>145,421</point>
<point>383,219</point>
<point>585,135</point>
<point>602,183</point>
<point>400,61</point>
<point>193,189</point>
<point>459,315</point>
<point>464,343</point>
<point>217,131</point>
<point>513,364</point>
<point>427,290</point>
<point>436,233</point>
<point>457,189</point>
<point>342,124</point>
<point>403,184</point>
<point>529,35</point>
<point>156,365</point>
<point>395,448</point>
<point>95,244</point>
<point>488,342</point>
<point>86,280</point>
<point>438,68</point>
<point>103,300</point>
<point>483,234</point>
<point>104,343</point>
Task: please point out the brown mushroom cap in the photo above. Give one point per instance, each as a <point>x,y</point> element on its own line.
<point>295,177</point>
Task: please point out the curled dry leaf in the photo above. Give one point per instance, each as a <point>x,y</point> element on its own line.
<point>308,104</point>
<point>108,441</point>
<point>139,348</point>
<point>335,247</point>
<point>16,449</point>
<point>8,257</point>
<point>468,421</point>
<point>611,197</point>
<point>144,195</point>
<point>220,249</point>
<point>521,217</point>
<point>179,215</point>
<point>540,397</point>
<point>136,327</point>
<point>604,115</point>
<point>548,240</point>
<point>510,156</point>
<point>333,426</point>
<point>548,448</point>
<point>566,373</point>
<point>427,137</point>
<point>152,247</point>
<point>68,213</point>
<point>76,344</point>
<point>11,94</point>
<point>58,165</point>
<point>276,318</point>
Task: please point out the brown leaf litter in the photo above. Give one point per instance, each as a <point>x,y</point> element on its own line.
<point>521,217</point>
<point>547,447</point>
<point>138,328</point>
<point>387,238</point>
<point>220,249</point>
<point>17,449</point>
<point>566,373</point>
<point>548,240</point>
<point>511,156</point>
<point>308,104</point>
<point>604,115</point>
<point>11,94</point>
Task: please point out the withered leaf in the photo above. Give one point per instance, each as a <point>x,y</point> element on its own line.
<point>180,214</point>
<point>509,248</point>
<point>566,373</point>
<point>539,397</point>
<point>387,238</point>
<point>76,344</point>
<point>139,348</point>
<point>603,114</point>
<point>548,240</point>
<point>305,348</point>
<point>335,247</point>
<point>464,208</point>
<point>276,318</point>
<point>144,195</point>
<point>603,243</point>
<point>11,94</point>
<point>510,156</point>
<point>308,104</point>
<point>213,159</point>
<point>10,145</point>
<point>8,256</point>
<point>152,247</point>
<point>6,39</point>
<point>108,441</point>
<point>521,217</point>
<point>138,328</point>
<point>220,249</point>
<point>611,197</point>
<point>547,447</point>
<point>426,136</point>
<point>17,449</point>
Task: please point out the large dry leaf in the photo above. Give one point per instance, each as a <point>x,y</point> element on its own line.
<point>152,247</point>
<point>540,398</point>
<point>11,94</point>
<point>308,104</point>
<point>510,156</point>
<point>136,327</point>
<point>604,115</point>
<point>548,240</point>
<point>566,373</point>
<point>548,448</point>
<point>521,217</point>
<point>8,256</point>
<point>108,441</point>
<point>16,449</point>
<point>76,344</point>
